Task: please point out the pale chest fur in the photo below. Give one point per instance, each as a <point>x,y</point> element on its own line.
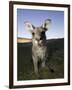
<point>39,51</point>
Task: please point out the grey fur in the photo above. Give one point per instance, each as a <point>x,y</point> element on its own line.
<point>39,43</point>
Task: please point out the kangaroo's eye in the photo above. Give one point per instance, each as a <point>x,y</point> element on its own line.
<point>33,33</point>
<point>42,32</point>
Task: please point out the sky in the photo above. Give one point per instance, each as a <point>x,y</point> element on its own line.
<point>37,17</point>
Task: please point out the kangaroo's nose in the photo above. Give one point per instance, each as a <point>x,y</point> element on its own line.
<point>40,38</point>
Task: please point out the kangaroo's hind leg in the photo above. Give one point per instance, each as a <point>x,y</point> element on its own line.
<point>35,62</point>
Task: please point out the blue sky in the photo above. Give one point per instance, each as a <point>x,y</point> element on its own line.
<point>37,17</point>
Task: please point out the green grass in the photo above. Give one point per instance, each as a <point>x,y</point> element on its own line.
<point>55,61</point>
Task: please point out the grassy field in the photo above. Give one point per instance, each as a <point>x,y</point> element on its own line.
<point>55,61</point>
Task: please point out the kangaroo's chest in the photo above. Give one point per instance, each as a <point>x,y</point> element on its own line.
<point>39,49</point>
<point>41,52</point>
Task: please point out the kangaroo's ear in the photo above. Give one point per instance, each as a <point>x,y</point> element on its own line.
<point>28,26</point>
<point>46,24</point>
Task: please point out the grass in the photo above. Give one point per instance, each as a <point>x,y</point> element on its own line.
<point>55,61</point>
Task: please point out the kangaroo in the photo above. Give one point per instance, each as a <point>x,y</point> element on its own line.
<point>39,43</point>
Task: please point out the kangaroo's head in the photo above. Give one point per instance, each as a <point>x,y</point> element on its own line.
<point>38,33</point>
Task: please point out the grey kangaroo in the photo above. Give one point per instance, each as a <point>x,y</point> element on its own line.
<point>39,43</point>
